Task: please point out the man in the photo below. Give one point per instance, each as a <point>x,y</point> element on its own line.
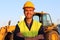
<point>28,28</point>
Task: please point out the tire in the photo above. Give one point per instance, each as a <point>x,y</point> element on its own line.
<point>52,35</point>
<point>9,36</point>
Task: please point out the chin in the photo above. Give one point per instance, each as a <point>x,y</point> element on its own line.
<point>29,17</point>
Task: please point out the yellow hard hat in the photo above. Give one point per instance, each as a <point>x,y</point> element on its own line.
<point>28,4</point>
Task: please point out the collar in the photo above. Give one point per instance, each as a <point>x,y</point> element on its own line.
<point>29,27</point>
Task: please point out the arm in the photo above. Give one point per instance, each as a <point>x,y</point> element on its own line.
<point>17,30</point>
<point>17,34</point>
<point>41,33</point>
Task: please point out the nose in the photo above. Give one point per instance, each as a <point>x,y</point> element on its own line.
<point>28,12</point>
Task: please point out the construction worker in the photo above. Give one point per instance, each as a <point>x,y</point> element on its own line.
<point>27,28</point>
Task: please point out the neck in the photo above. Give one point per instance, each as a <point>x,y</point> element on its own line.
<point>29,20</point>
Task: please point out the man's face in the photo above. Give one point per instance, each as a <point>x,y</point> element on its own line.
<point>29,12</point>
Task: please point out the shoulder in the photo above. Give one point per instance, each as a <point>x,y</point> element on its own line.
<point>20,22</point>
<point>37,22</point>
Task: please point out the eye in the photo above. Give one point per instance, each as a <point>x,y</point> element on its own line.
<point>31,10</point>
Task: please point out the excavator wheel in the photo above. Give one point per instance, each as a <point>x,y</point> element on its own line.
<point>52,35</point>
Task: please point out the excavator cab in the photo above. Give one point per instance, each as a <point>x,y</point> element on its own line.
<point>44,18</point>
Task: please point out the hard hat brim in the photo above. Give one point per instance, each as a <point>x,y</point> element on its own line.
<point>28,7</point>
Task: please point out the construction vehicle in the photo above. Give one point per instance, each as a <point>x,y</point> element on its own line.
<point>48,29</point>
<point>5,30</point>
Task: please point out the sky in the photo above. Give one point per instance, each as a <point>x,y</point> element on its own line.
<point>12,10</point>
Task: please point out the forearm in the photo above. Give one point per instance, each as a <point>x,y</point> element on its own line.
<point>40,36</point>
<point>20,35</point>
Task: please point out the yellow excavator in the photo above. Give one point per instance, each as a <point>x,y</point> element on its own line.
<point>48,29</point>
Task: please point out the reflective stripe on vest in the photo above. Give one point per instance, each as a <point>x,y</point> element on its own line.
<point>29,33</point>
